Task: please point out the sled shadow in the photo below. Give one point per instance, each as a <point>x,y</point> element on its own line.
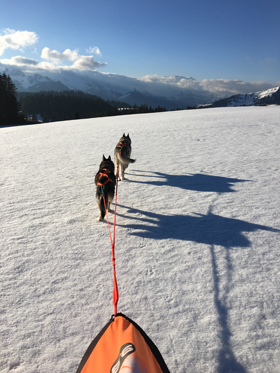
<point>209,229</point>
<point>197,182</point>
<point>227,361</point>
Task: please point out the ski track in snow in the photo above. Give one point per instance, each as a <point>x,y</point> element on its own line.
<point>197,240</point>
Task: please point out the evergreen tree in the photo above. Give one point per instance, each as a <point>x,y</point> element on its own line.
<point>9,106</point>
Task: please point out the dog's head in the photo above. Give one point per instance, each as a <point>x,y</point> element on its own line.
<point>107,163</point>
<point>126,139</point>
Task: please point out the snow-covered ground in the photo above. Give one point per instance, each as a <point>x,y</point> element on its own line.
<point>197,240</point>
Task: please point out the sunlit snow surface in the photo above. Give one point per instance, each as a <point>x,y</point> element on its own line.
<point>197,240</point>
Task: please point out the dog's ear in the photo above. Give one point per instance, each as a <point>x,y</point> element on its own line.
<point>104,159</point>
<point>128,136</point>
<point>109,158</point>
<point>123,134</point>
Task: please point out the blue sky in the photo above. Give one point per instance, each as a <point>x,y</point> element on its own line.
<point>217,39</point>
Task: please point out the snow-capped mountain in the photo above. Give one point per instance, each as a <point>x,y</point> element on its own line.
<point>26,82</point>
<point>115,87</point>
<point>267,97</point>
<point>171,92</point>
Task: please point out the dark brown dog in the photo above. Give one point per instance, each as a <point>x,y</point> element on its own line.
<point>105,181</point>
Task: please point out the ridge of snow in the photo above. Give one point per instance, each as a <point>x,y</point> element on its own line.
<point>250,99</point>
<point>267,93</point>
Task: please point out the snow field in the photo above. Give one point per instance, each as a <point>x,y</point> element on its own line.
<point>196,240</point>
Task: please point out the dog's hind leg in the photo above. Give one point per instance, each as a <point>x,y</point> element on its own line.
<point>110,199</point>
<point>100,216</point>
<point>122,171</point>
<point>124,167</point>
<point>102,210</point>
<point>117,163</point>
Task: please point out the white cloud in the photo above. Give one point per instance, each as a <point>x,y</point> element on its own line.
<point>19,61</point>
<point>87,63</point>
<point>222,87</point>
<point>16,40</point>
<point>159,79</point>
<point>179,81</point>
<point>56,57</point>
<point>94,50</point>
<point>233,87</point>
<point>80,62</point>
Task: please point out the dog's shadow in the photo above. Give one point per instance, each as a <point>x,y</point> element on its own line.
<point>209,229</point>
<point>197,182</point>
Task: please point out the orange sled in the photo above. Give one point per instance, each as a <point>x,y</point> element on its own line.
<point>122,347</point>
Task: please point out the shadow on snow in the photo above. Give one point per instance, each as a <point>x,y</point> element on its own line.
<point>211,230</point>
<point>198,182</point>
<point>208,229</point>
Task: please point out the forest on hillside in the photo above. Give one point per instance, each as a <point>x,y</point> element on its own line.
<point>30,108</point>
<point>10,111</point>
<point>68,105</point>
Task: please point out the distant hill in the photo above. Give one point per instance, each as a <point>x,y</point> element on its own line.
<point>175,92</point>
<point>114,87</point>
<point>267,97</point>
<point>66,105</point>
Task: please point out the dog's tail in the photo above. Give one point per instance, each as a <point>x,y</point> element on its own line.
<point>125,160</point>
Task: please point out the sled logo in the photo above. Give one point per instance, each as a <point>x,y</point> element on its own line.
<point>127,363</point>
<point>125,351</point>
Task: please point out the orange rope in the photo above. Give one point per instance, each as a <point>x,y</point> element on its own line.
<point>115,285</point>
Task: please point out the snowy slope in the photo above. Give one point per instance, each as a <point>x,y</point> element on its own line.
<point>33,82</point>
<point>267,97</point>
<point>197,240</point>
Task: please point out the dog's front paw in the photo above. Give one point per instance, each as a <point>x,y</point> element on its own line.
<point>99,218</point>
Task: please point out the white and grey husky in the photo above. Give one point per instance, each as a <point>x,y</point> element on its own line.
<point>122,155</point>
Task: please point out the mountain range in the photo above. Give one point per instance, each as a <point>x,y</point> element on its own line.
<point>181,93</point>
<point>114,87</point>
<point>267,97</point>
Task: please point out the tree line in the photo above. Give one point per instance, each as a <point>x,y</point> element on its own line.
<point>68,105</point>
<point>27,108</point>
<point>10,110</point>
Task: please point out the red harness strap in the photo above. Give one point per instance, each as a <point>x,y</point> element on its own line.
<point>123,144</point>
<point>112,238</point>
<point>106,173</point>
